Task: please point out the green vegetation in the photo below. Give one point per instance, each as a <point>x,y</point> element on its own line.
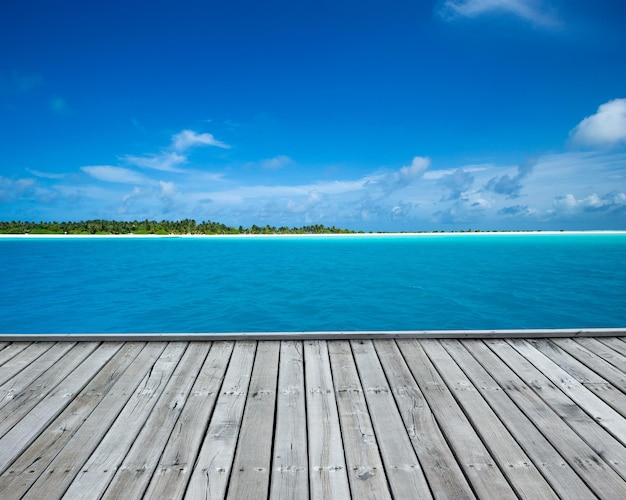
<point>185,226</point>
<point>190,226</point>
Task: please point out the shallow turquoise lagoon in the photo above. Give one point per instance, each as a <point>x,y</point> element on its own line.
<point>495,281</point>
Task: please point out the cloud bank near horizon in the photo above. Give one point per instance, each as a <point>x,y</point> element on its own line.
<point>358,204</point>
<point>575,189</point>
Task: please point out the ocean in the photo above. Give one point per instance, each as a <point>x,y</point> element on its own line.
<point>312,283</point>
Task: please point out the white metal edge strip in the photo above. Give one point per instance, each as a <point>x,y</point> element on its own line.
<point>330,335</point>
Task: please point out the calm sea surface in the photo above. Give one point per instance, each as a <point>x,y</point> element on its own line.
<point>76,285</point>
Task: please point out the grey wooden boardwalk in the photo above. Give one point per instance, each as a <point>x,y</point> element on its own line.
<point>364,418</point>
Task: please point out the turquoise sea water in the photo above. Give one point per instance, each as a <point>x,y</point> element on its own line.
<point>120,285</point>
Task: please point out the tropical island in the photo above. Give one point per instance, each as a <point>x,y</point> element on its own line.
<point>164,227</point>
<point>103,227</point>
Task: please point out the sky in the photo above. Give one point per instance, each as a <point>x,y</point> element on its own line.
<point>376,116</point>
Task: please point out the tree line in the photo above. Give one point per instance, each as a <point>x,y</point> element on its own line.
<point>164,227</point>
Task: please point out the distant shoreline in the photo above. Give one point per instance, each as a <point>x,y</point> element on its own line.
<point>308,235</point>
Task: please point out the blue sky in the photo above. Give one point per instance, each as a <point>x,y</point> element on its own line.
<point>422,115</point>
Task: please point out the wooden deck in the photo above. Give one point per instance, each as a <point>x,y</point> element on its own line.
<point>245,419</point>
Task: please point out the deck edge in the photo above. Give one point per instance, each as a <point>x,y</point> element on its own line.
<point>320,335</point>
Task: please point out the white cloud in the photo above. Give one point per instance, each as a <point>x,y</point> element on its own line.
<point>276,163</point>
<point>44,175</point>
<point>316,190</point>
<point>168,189</point>
<point>114,174</point>
<point>472,168</point>
<point>136,193</point>
<point>166,162</point>
<point>592,203</point>
<point>169,197</point>
<point>605,129</point>
<point>518,211</point>
<point>404,176</point>
<point>511,185</point>
<point>573,190</point>
<point>458,182</point>
<point>188,138</point>
<point>408,174</point>
<point>170,161</point>
<point>305,203</point>
<point>529,10</point>
<point>12,189</point>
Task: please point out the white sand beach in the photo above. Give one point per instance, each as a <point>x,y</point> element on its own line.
<point>312,235</point>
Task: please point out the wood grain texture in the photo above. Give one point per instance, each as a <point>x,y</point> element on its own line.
<point>250,475</point>
<point>60,472</point>
<point>30,464</point>
<point>320,419</point>
<point>36,378</point>
<point>25,359</point>
<point>10,350</point>
<point>211,473</point>
<point>474,458</point>
<point>104,461</point>
<point>555,367</point>
<point>366,472</point>
<point>583,374</point>
<point>542,401</point>
<point>404,472</point>
<point>181,451</point>
<point>503,389</point>
<point>617,344</point>
<point>290,465</point>
<point>328,477</point>
<point>30,424</point>
<point>138,465</point>
<point>514,462</point>
<point>441,469</point>
<point>603,352</point>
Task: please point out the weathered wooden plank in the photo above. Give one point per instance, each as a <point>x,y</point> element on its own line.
<point>366,472</point>
<point>537,430</point>
<point>65,429</point>
<point>177,461</point>
<point>403,469</point>
<point>61,470</point>
<point>250,474</point>
<point>516,465</point>
<point>588,378</point>
<point>31,463</point>
<point>548,394</point>
<point>587,400</point>
<point>479,467</point>
<point>328,477</point>
<point>290,467</point>
<point>27,398</point>
<point>98,470</point>
<point>617,344</point>
<point>599,369</point>
<point>136,470</point>
<point>209,478</point>
<point>16,387</point>
<point>603,351</point>
<point>10,350</point>
<point>24,359</point>
<point>442,471</point>
<point>30,424</point>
